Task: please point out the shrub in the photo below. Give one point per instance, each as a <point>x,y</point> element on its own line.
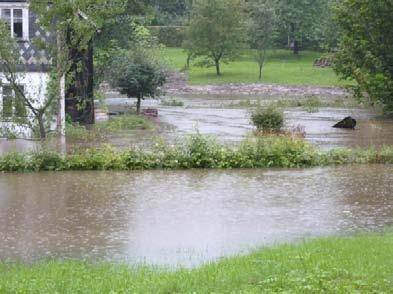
<point>268,120</point>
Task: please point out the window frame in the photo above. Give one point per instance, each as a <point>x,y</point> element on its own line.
<point>13,115</point>
<point>25,19</point>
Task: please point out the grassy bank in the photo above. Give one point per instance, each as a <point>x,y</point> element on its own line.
<point>120,123</point>
<point>282,67</point>
<point>197,152</point>
<point>361,264</point>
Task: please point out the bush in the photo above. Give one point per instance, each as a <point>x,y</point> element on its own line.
<point>268,120</point>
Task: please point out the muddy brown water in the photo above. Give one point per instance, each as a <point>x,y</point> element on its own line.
<point>185,217</point>
<point>215,117</point>
<point>232,125</point>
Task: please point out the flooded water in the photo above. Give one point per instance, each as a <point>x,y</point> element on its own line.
<point>185,217</point>
<point>213,116</point>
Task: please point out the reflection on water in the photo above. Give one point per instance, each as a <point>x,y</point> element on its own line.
<point>185,217</point>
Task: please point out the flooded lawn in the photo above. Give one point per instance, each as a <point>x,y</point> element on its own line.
<point>214,116</point>
<point>185,217</point>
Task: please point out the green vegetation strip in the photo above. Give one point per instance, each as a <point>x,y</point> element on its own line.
<point>361,264</point>
<point>117,124</point>
<point>282,67</point>
<point>197,152</point>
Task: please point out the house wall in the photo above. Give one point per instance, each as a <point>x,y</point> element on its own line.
<point>34,67</point>
<point>35,85</point>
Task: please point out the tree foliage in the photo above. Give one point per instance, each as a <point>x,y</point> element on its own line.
<point>137,74</point>
<point>216,31</point>
<point>12,70</point>
<point>298,18</point>
<point>325,30</point>
<point>366,48</point>
<point>261,26</point>
<point>75,25</point>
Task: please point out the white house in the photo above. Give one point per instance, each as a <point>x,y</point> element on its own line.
<point>33,73</point>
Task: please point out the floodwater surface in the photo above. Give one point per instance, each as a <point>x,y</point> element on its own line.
<point>232,125</point>
<point>185,217</point>
<point>215,117</point>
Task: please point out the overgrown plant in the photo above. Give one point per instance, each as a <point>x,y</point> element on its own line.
<point>268,119</point>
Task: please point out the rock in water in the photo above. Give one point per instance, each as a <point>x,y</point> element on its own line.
<point>346,123</point>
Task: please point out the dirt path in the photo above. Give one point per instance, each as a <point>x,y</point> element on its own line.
<point>178,86</point>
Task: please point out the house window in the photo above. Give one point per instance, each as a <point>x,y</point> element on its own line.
<point>12,104</point>
<point>17,20</point>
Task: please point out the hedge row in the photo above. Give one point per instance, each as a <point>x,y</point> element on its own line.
<point>197,152</point>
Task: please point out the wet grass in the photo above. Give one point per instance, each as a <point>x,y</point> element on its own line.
<point>126,122</point>
<point>282,67</point>
<point>359,264</point>
<point>101,129</point>
<point>172,102</point>
<point>268,151</point>
<point>310,103</point>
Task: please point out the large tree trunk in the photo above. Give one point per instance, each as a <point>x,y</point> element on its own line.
<point>79,93</point>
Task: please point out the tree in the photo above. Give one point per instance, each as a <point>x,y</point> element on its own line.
<point>366,48</point>
<point>261,25</point>
<point>10,66</point>
<point>298,17</point>
<point>216,31</point>
<point>76,23</point>
<point>326,30</point>
<point>137,74</point>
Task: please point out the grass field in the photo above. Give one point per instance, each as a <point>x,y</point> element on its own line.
<point>282,67</point>
<point>361,264</point>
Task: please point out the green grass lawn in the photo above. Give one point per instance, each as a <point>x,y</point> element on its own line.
<point>361,264</point>
<point>282,67</point>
